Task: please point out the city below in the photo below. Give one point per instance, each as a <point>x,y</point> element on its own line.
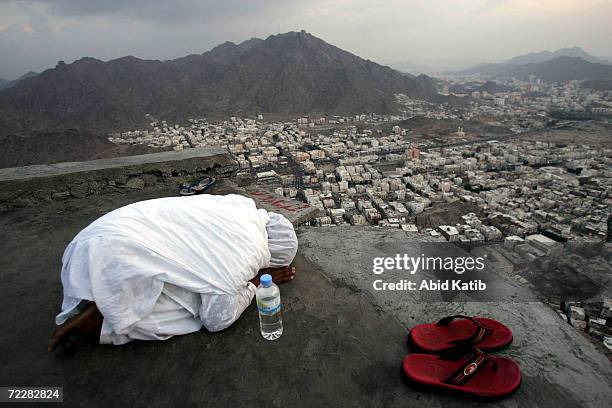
<point>516,172</point>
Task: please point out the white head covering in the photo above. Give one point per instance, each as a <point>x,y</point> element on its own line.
<point>282,241</point>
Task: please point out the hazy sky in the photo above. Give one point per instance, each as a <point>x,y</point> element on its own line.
<point>34,35</point>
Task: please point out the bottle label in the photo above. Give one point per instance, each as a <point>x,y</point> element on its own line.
<point>269,307</point>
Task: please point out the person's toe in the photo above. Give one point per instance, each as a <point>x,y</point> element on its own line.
<point>284,278</point>
<point>57,337</point>
<point>52,345</point>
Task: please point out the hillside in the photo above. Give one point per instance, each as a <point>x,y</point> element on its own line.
<point>60,146</point>
<point>286,73</point>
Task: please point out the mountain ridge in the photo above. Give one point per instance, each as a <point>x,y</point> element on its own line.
<point>543,56</point>
<point>293,73</point>
<point>60,146</point>
<point>559,69</point>
<point>532,58</point>
<point>5,83</point>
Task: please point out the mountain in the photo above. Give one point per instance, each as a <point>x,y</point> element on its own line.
<point>514,65</point>
<point>290,73</point>
<point>60,146</point>
<point>536,57</point>
<point>4,83</point>
<point>555,70</point>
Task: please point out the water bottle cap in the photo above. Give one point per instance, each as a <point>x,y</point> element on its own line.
<point>265,280</point>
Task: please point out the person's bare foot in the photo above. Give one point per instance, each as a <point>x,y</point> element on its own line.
<point>87,323</point>
<point>282,275</point>
<point>279,275</point>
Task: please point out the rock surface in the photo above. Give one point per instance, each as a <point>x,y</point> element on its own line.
<point>342,345</point>
<point>33,185</point>
<point>560,366</point>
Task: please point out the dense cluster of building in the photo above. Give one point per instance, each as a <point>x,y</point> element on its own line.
<point>359,172</point>
<point>517,187</point>
<point>201,132</point>
<point>523,186</point>
<point>519,104</point>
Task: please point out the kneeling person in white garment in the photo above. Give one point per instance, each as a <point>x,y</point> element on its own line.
<point>164,267</point>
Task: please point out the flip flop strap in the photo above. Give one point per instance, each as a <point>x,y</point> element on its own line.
<point>479,334</point>
<point>468,370</point>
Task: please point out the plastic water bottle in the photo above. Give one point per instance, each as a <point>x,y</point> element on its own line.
<point>269,306</point>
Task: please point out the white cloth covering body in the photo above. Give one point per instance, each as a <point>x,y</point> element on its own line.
<point>167,266</point>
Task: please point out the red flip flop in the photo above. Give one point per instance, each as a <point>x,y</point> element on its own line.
<point>479,376</point>
<point>454,332</point>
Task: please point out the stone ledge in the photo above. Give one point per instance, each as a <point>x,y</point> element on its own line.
<point>33,185</point>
